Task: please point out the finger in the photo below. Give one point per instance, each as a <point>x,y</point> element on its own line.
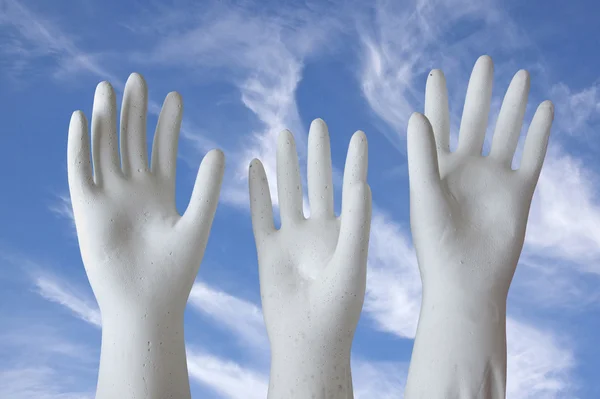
<point>436,110</point>
<point>289,184</point>
<point>357,162</point>
<point>320,181</point>
<point>134,152</point>
<point>164,147</point>
<point>261,208</point>
<point>105,155</point>
<point>477,107</point>
<point>355,227</point>
<point>536,142</point>
<point>199,215</point>
<point>79,168</point>
<point>423,169</point>
<point>510,119</point>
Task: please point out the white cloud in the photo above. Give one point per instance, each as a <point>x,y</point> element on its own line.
<point>44,344</point>
<point>575,110</point>
<point>227,378</point>
<point>275,104</point>
<point>393,297</point>
<point>551,284</point>
<point>61,293</point>
<point>62,207</point>
<point>243,318</point>
<point>35,382</point>
<point>539,364</point>
<point>268,73</point>
<point>382,380</point>
<point>564,221</point>
<point>38,38</point>
<point>40,361</point>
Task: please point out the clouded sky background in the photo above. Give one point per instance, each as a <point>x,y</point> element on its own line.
<point>247,70</point>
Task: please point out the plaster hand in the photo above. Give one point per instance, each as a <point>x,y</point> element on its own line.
<point>312,271</point>
<point>468,217</point>
<point>141,257</point>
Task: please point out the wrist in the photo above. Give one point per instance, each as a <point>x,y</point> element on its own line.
<point>305,372</point>
<point>142,355</point>
<point>128,331</point>
<point>461,336</point>
<point>451,304</point>
<point>139,317</point>
<point>454,319</point>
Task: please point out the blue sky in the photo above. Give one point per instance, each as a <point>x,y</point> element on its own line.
<point>246,71</point>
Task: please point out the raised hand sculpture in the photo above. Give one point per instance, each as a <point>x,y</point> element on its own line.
<point>140,255</point>
<point>312,271</point>
<point>468,216</point>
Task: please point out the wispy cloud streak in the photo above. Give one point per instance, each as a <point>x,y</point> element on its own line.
<point>244,318</point>
<point>56,291</point>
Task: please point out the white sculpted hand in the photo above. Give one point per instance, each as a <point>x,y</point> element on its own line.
<point>468,217</point>
<point>140,255</point>
<point>467,209</point>
<point>312,271</point>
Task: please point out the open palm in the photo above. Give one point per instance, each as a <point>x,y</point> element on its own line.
<point>312,271</point>
<point>135,246</point>
<point>470,211</point>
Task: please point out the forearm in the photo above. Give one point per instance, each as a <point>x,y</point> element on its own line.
<point>460,348</point>
<point>143,356</point>
<point>314,372</point>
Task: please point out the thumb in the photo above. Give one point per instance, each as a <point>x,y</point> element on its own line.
<point>423,167</point>
<point>355,228</point>
<point>200,212</point>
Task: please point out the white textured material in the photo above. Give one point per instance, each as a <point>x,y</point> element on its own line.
<point>140,255</point>
<point>468,217</point>
<point>312,270</point>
